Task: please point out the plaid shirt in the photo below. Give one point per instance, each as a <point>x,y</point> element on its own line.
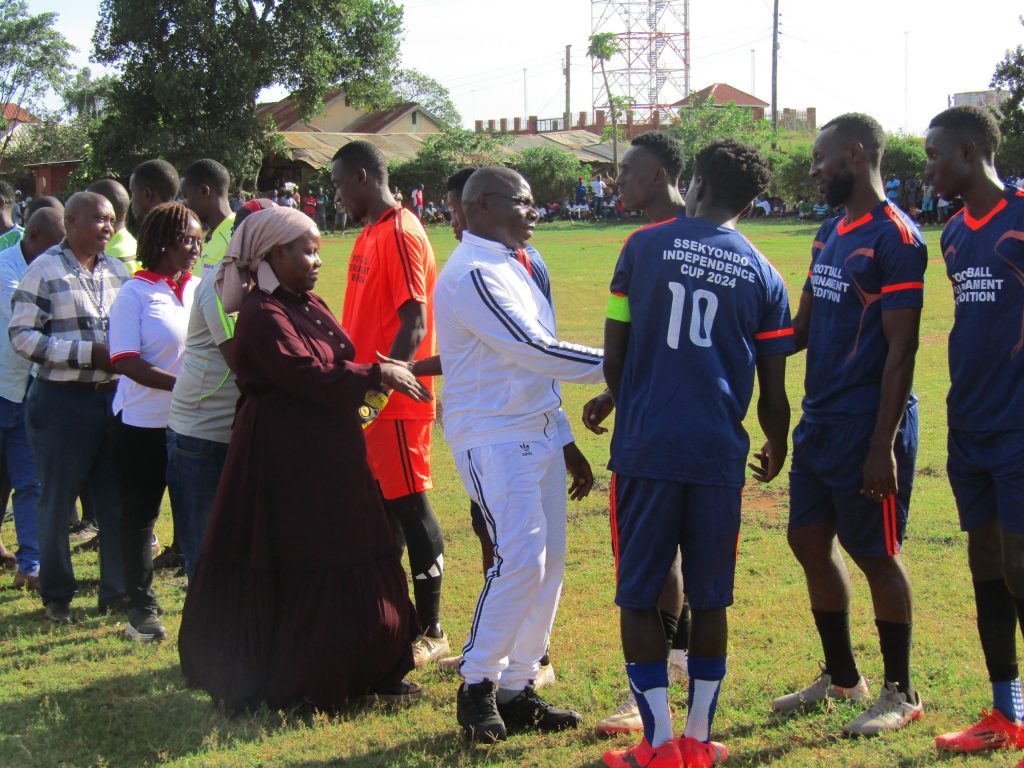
<point>60,309</point>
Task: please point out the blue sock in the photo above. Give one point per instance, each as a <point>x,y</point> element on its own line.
<point>1006,697</point>
<point>649,683</point>
<point>706,674</point>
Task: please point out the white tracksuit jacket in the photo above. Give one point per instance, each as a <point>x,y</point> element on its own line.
<point>501,358</point>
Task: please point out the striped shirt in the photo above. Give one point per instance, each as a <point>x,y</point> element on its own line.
<point>60,309</point>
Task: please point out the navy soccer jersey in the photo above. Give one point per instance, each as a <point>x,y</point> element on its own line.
<point>703,306</point>
<point>858,270</point>
<point>985,263</point>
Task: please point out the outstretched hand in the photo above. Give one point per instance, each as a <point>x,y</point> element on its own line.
<point>397,375</point>
<point>578,467</point>
<point>596,411</point>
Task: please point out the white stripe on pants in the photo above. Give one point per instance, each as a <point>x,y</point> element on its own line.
<point>520,488</point>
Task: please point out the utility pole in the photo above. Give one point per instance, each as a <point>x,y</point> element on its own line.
<point>775,68</point>
<point>526,109</point>
<point>568,108</point>
<point>753,79</point>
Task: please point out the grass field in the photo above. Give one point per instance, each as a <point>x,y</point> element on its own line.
<point>80,695</point>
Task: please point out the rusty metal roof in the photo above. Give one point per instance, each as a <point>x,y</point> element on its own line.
<point>316,149</point>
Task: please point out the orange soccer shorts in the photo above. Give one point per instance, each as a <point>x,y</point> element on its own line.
<point>399,454</point>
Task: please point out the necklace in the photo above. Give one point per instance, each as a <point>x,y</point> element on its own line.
<point>97,296</point>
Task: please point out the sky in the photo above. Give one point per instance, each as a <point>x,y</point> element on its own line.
<point>898,60</point>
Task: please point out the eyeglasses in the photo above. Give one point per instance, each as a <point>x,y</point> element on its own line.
<point>525,202</point>
<point>188,241</point>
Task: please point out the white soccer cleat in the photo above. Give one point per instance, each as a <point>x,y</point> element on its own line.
<point>819,690</point>
<point>890,712</point>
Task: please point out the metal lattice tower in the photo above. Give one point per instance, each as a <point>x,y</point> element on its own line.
<point>652,70</point>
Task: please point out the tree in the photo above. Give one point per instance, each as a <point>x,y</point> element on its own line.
<point>1009,75</point>
<point>551,172</point>
<point>87,95</point>
<point>410,85</point>
<point>444,153</point>
<point>603,46</point>
<point>904,156</point>
<point>704,121</point>
<point>33,58</point>
<point>192,70</point>
<point>790,179</point>
<point>50,139</point>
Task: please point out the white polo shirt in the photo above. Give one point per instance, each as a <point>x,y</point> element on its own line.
<point>149,319</point>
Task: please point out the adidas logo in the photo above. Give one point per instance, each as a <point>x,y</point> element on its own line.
<point>525,448</point>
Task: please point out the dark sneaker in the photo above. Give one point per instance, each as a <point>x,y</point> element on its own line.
<point>82,533</point>
<point>59,613</point>
<point>402,695</point>
<point>169,558</point>
<point>477,712</point>
<point>528,711</point>
<point>144,626</point>
<point>117,605</point>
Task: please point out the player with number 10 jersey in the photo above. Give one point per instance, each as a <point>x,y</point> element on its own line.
<point>703,305</point>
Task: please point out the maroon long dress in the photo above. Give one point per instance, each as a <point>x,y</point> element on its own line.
<point>299,596</point>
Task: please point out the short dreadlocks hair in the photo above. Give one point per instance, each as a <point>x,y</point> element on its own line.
<point>667,150</point>
<point>971,122</point>
<point>160,229</point>
<point>735,173</point>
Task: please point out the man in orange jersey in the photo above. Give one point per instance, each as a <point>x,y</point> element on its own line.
<point>389,309</point>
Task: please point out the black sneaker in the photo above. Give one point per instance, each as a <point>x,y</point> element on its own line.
<point>169,558</point>
<point>528,711</point>
<point>144,626</point>
<point>477,712</point>
<point>59,613</point>
<point>119,604</point>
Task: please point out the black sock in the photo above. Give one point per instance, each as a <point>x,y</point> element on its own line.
<point>681,642</point>
<point>894,640</point>
<point>834,630</point>
<point>997,628</point>
<point>669,623</point>
<point>425,542</point>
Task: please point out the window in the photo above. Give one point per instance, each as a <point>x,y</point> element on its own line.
<point>414,118</point>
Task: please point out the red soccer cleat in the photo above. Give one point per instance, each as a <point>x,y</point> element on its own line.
<point>697,754</point>
<point>643,755</point>
<point>993,731</point>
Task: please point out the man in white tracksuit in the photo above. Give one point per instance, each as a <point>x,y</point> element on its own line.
<point>512,446</point>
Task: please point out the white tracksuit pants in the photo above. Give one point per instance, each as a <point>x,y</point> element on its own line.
<point>520,487</point>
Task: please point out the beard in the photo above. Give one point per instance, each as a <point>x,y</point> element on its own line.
<point>840,188</point>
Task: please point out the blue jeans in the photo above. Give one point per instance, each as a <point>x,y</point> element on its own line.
<point>21,468</point>
<point>194,466</point>
<point>69,430</point>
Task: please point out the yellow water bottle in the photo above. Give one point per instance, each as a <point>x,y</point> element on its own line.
<point>372,405</point>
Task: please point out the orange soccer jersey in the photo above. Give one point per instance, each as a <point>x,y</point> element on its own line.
<point>392,263</point>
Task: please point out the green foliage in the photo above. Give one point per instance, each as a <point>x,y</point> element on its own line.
<point>87,95</point>
<point>704,121</point>
<point>904,156</point>
<point>444,153</point>
<point>791,181</point>
<point>192,69</point>
<point>1009,75</point>
<point>551,172</point>
<point>410,85</point>
<point>33,58</point>
<point>601,48</point>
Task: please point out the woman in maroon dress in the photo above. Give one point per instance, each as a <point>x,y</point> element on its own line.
<point>299,596</point>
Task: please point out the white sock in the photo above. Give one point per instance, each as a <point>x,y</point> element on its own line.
<point>705,696</point>
<point>657,700</point>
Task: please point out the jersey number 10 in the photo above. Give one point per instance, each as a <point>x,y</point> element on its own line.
<point>702,316</point>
